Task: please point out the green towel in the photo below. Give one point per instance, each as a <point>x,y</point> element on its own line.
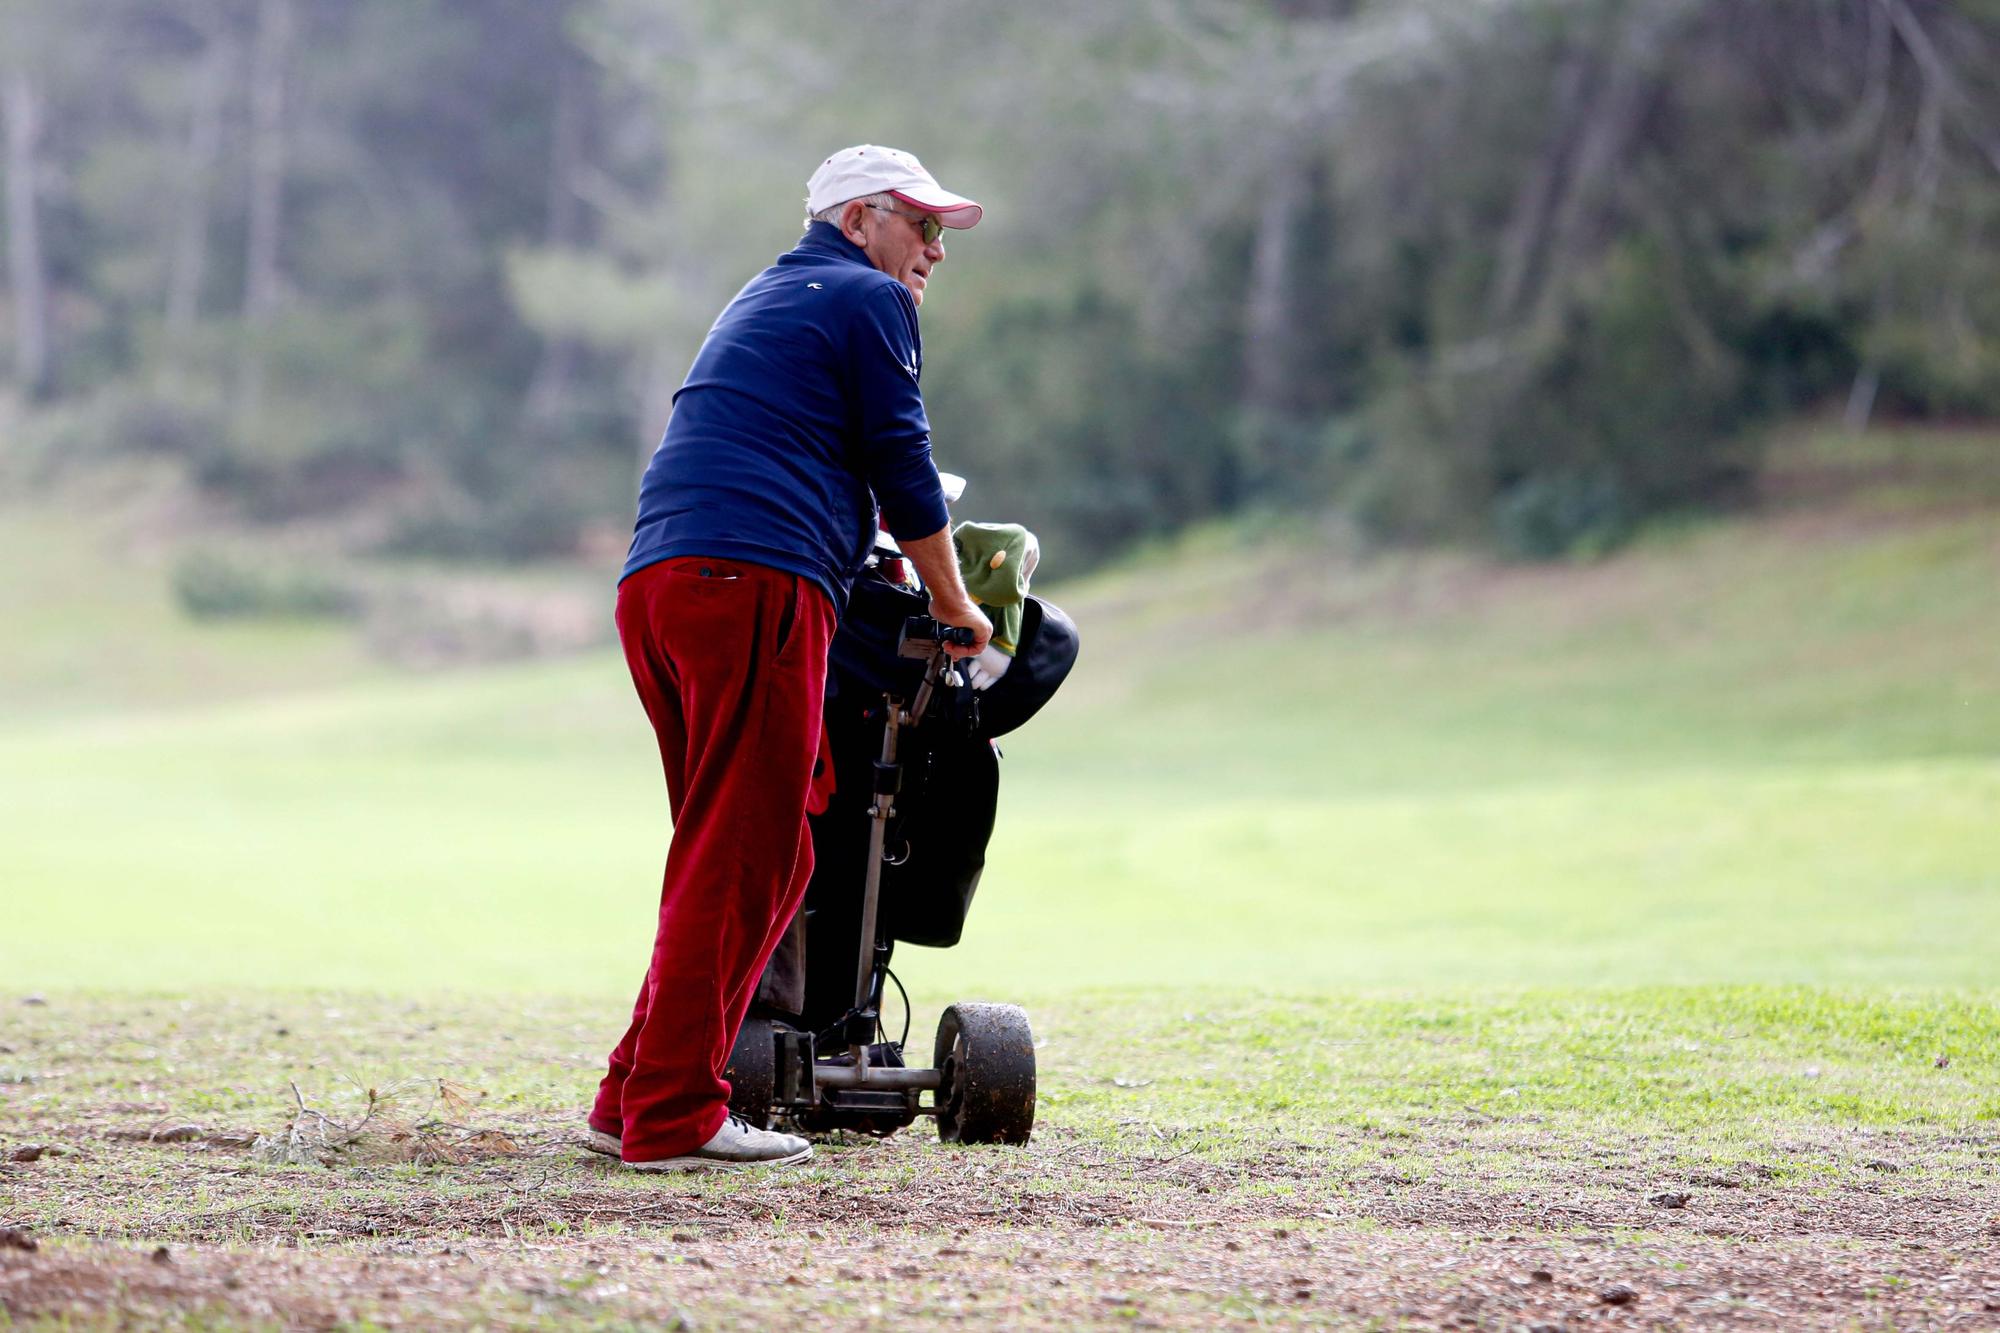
<point>995,560</point>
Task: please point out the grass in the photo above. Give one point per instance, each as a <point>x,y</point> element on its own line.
<point>91,628</point>
<point>1398,927</point>
<point>1743,752</point>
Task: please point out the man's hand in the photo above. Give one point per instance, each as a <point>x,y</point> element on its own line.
<point>967,616</point>
<point>937,563</point>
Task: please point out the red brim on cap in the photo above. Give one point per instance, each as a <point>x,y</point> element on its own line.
<point>953,210</point>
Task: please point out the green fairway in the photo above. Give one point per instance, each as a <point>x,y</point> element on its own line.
<point>1751,751</point>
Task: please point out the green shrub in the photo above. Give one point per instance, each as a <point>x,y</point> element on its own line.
<point>1561,513</point>
<point>210,585</point>
<point>119,421</point>
<point>514,527</point>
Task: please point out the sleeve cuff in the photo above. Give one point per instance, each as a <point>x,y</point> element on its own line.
<point>913,516</point>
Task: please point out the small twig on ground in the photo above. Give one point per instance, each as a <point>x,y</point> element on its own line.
<point>1156,1163</point>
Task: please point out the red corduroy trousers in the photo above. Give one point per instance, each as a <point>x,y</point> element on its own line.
<point>730,662</point>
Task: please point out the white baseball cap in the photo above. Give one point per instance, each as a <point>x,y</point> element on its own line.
<point>872,169</point>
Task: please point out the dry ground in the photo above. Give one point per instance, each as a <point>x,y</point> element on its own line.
<point>1177,1202</point>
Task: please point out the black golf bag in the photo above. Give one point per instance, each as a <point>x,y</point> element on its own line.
<point>944,810</point>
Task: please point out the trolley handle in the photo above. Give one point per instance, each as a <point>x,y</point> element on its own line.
<point>924,636</point>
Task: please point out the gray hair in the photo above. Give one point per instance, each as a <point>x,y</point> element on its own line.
<point>832,212</point>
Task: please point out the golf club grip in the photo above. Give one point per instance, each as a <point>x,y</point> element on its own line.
<point>923,634</point>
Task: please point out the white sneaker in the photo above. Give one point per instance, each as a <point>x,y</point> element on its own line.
<point>736,1144</point>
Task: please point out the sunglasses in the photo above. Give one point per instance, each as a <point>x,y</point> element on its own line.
<point>928,225</point>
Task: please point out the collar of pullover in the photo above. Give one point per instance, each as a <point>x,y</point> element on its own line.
<point>823,238</point>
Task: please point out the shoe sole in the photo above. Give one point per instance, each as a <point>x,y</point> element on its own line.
<point>669,1164</point>
<point>607,1144</point>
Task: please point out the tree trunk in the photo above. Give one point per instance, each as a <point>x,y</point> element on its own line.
<point>560,356</point>
<point>25,274</point>
<point>1610,129</point>
<point>267,187</point>
<point>1601,105</point>
<point>1942,88</point>
<point>204,151</point>
<point>1525,239</point>
<point>267,157</point>
<point>1267,305</point>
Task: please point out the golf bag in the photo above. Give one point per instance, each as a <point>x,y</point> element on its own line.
<point>944,810</point>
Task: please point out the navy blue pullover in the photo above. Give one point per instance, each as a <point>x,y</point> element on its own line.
<point>800,410</point>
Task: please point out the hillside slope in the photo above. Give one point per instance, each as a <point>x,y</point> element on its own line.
<point>1754,749</point>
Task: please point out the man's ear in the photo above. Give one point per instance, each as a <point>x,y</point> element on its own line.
<point>850,221</point>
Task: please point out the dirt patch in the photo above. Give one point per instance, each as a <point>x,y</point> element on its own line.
<point>1186,1273</point>
<point>129,1126</point>
<point>1064,1232</point>
<point>530,1172</point>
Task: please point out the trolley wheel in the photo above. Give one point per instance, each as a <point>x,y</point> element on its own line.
<point>986,1074</point>
<point>752,1072</point>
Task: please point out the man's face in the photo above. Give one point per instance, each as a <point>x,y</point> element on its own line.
<point>894,243</point>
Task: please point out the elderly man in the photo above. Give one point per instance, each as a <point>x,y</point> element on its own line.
<point>800,413</point>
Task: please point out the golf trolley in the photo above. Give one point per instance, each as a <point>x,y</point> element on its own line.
<point>915,757</point>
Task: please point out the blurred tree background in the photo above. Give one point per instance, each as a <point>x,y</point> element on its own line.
<point>1515,272</point>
